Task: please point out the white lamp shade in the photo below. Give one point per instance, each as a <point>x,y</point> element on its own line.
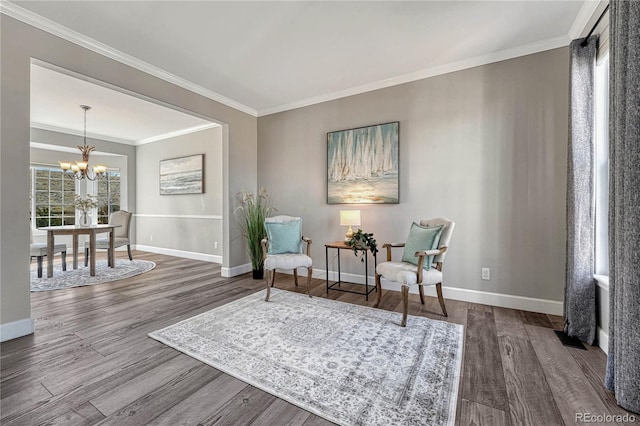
<point>349,217</point>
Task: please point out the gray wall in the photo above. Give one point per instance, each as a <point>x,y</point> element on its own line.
<point>21,42</point>
<point>485,147</point>
<point>177,229</point>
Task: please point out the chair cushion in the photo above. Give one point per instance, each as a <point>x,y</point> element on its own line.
<point>421,238</point>
<point>284,237</point>
<point>287,261</point>
<point>407,273</point>
<point>40,249</point>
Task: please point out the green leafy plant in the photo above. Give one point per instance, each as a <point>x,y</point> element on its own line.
<point>85,204</point>
<point>359,241</point>
<point>250,213</point>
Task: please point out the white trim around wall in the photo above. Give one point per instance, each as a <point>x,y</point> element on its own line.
<point>179,253</point>
<point>15,329</point>
<point>236,270</point>
<point>181,216</point>
<point>545,306</point>
<point>603,340</point>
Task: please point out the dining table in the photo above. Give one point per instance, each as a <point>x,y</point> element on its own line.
<point>75,231</point>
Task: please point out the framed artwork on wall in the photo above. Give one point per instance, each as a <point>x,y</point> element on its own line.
<point>362,165</point>
<point>184,175</point>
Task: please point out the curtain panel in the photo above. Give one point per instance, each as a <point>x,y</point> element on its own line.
<point>623,360</point>
<point>580,286</point>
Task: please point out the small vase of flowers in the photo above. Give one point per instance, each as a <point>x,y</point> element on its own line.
<point>84,206</point>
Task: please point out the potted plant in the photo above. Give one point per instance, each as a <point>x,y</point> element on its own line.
<point>84,205</point>
<point>360,241</point>
<point>250,213</point>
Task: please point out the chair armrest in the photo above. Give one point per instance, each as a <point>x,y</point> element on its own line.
<point>430,252</point>
<point>308,241</point>
<point>263,243</point>
<point>393,245</point>
<point>388,246</point>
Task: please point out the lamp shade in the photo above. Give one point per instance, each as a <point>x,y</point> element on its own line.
<point>349,217</point>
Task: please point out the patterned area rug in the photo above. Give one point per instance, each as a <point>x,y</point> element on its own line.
<point>350,364</point>
<point>80,277</point>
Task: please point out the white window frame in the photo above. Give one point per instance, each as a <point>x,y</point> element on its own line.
<point>32,171</point>
<point>601,101</point>
<point>93,191</point>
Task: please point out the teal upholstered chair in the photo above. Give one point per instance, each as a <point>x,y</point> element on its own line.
<point>286,248</point>
<point>421,267</point>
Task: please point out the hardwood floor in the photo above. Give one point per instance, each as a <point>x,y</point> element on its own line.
<point>91,362</point>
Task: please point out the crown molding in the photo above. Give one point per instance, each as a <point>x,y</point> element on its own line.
<point>489,58</point>
<point>80,133</point>
<point>176,133</point>
<point>30,18</point>
<point>585,15</point>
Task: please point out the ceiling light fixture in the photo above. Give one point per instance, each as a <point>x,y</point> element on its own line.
<point>80,169</point>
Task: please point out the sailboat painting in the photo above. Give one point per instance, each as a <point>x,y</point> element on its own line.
<point>362,165</point>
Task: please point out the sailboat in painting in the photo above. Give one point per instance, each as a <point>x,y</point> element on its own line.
<point>362,165</point>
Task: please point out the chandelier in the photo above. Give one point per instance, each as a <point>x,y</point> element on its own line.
<point>80,169</point>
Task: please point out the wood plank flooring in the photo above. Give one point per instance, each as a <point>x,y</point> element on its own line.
<point>91,362</point>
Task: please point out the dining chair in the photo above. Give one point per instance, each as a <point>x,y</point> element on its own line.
<point>121,235</point>
<point>39,251</point>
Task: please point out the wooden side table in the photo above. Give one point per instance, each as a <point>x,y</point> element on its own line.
<point>341,245</point>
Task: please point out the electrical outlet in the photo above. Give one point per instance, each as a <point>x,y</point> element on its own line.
<point>486,274</point>
<point>215,245</point>
<point>150,237</point>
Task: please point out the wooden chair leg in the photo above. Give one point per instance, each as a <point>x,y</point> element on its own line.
<point>295,276</point>
<point>109,260</point>
<point>63,255</point>
<point>273,276</point>
<point>405,305</point>
<point>309,271</point>
<point>39,266</point>
<point>441,299</point>
<point>129,250</point>
<point>86,257</point>
<point>378,290</point>
<point>421,288</point>
<point>272,272</point>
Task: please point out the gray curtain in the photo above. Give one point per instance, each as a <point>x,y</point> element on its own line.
<point>623,362</point>
<point>580,286</point>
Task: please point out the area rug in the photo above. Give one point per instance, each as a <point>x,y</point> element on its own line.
<point>350,364</point>
<point>80,277</point>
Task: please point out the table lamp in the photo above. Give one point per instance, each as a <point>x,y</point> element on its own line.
<point>349,218</point>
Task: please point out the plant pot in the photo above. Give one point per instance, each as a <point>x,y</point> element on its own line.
<point>258,274</point>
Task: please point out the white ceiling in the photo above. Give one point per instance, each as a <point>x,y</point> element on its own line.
<point>269,56</point>
<point>115,116</point>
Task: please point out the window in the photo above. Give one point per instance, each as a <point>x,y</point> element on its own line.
<point>107,191</point>
<point>602,166</point>
<point>52,195</point>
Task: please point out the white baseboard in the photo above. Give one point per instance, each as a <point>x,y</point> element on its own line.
<point>545,306</point>
<point>15,329</point>
<point>603,340</point>
<point>236,270</point>
<point>180,253</point>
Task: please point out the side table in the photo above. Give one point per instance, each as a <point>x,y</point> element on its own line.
<point>340,245</point>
